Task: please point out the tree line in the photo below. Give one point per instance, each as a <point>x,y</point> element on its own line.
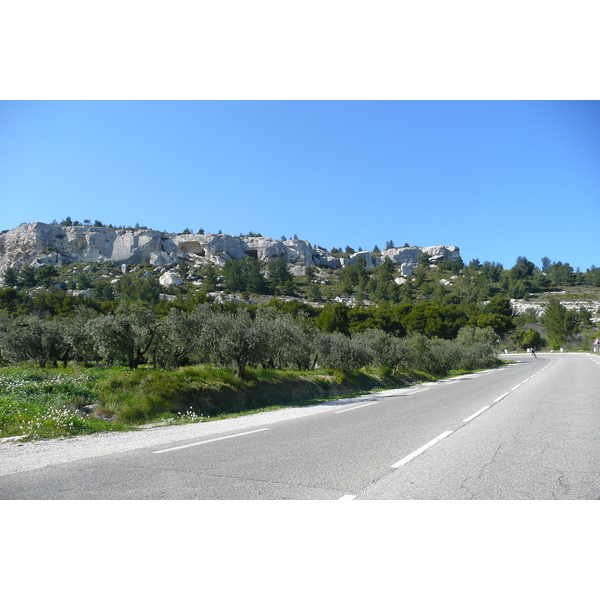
<point>49,326</point>
<point>231,336</point>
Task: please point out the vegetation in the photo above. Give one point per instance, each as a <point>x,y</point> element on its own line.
<point>47,402</point>
<point>86,347</point>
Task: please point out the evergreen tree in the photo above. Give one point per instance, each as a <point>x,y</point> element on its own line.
<point>313,292</point>
<point>235,280</point>
<point>210,279</point>
<point>523,269</point>
<point>255,280</point>
<point>103,291</point>
<point>529,338</point>
<point>11,277</point>
<point>560,274</point>
<point>28,277</point>
<point>559,322</point>
<point>333,317</point>
<point>47,274</point>
<point>139,289</point>
<point>281,280</point>
<point>546,262</point>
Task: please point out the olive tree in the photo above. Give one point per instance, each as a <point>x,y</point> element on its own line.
<point>234,339</point>
<point>384,349</point>
<point>180,336</point>
<point>288,339</point>
<point>76,331</point>
<point>340,352</point>
<point>34,339</point>
<point>129,336</point>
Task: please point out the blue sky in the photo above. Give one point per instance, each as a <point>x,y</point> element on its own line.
<point>498,179</point>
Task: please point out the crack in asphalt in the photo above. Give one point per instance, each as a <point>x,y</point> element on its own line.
<point>251,480</point>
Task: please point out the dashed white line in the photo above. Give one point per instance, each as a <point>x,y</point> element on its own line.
<point>500,397</point>
<point>516,386</point>
<point>421,450</point>
<point>209,441</point>
<point>475,414</point>
<point>337,412</point>
<point>347,497</point>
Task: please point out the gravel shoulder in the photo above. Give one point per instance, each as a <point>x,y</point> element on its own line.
<point>27,456</point>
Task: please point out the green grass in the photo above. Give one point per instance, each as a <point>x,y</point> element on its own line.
<point>47,403</point>
<point>57,402</point>
<point>38,420</point>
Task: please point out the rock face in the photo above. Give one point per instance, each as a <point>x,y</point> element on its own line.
<point>39,244</point>
<point>407,258</point>
<point>42,244</point>
<point>593,306</point>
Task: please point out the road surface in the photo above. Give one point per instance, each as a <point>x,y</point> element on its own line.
<point>526,431</point>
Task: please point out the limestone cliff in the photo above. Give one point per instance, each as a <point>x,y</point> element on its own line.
<point>40,244</point>
<point>407,258</point>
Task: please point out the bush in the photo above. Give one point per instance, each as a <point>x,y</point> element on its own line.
<point>342,353</point>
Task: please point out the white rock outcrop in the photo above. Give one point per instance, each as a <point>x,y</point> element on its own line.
<point>41,244</point>
<point>169,278</point>
<point>407,258</point>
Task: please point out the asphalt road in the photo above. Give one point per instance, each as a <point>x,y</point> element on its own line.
<point>525,431</point>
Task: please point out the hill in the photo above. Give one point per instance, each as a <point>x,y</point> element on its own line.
<point>52,270</point>
<point>42,244</point>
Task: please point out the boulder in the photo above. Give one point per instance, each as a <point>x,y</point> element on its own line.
<point>169,278</point>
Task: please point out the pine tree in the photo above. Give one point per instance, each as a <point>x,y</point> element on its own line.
<point>280,278</point>
<point>255,281</point>
<point>559,322</point>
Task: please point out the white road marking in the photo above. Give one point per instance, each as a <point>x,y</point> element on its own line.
<point>516,386</point>
<point>475,414</point>
<point>421,450</point>
<point>347,497</point>
<point>208,441</point>
<point>337,412</point>
<point>500,397</point>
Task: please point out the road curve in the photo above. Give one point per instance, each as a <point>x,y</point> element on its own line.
<point>524,431</point>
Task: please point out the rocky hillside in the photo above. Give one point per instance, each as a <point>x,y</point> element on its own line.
<point>39,244</point>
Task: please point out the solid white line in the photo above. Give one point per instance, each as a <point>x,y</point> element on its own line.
<point>421,450</point>
<point>475,414</point>
<point>347,497</point>
<point>337,412</point>
<point>209,441</point>
<point>500,397</point>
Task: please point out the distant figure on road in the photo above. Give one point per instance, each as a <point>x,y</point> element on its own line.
<point>533,352</point>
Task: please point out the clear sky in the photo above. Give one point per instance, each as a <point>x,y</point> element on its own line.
<point>498,179</point>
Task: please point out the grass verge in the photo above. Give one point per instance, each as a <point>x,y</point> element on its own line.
<point>49,403</point>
